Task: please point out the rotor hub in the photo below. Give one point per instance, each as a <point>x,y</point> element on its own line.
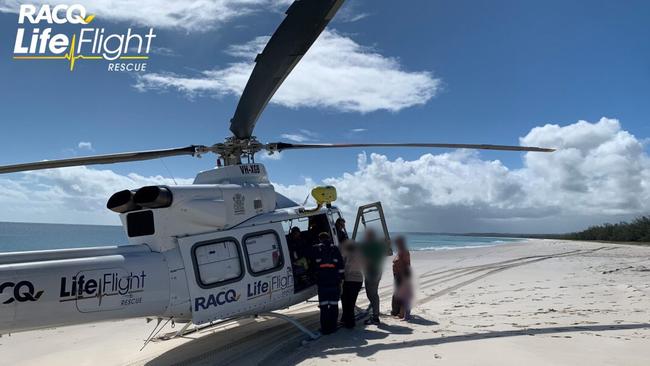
<point>233,149</point>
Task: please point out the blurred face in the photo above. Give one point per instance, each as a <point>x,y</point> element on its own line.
<point>370,235</point>
<point>349,246</point>
<point>400,243</point>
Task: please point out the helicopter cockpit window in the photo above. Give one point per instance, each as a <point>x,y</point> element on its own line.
<point>217,262</point>
<point>263,251</point>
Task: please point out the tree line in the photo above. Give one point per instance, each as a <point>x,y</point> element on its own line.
<point>637,230</point>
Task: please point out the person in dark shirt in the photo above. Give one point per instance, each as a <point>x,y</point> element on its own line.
<point>341,232</point>
<point>296,244</point>
<point>299,251</point>
<point>328,262</point>
<point>374,253</point>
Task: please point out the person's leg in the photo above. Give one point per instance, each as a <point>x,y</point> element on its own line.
<point>334,308</point>
<point>351,291</point>
<point>346,303</point>
<point>407,310</point>
<point>355,287</point>
<point>372,291</point>
<point>331,314</point>
<point>395,303</point>
<point>323,305</point>
<point>405,313</point>
<point>328,298</point>
<point>323,319</point>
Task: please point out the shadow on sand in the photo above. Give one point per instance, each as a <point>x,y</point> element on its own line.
<point>278,343</point>
<point>416,319</point>
<point>364,350</point>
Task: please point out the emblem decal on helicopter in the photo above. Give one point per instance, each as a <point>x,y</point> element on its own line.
<point>250,169</point>
<point>221,298</point>
<point>23,291</point>
<point>238,205</point>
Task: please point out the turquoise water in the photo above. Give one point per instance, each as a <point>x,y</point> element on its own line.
<point>426,241</point>
<point>23,236</point>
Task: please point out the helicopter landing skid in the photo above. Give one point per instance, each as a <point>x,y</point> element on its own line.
<point>312,335</point>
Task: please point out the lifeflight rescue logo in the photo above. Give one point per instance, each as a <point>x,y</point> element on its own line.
<point>36,41</point>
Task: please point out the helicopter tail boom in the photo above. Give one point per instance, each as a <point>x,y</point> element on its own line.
<point>64,287</point>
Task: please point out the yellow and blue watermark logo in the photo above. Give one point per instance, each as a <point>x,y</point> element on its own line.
<point>36,39</point>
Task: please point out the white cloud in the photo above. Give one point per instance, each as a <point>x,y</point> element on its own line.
<point>164,51</point>
<point>85,145</point>
<point>295,137</point>
<point>355,17</point>
<point>354,133</point>
<point>336,73</point>
<point>303,135</point>
<point>265,155</point>
<point>191,15</point>
<point>600,173</point>
<point>352,12</point>
<point>68,195</point>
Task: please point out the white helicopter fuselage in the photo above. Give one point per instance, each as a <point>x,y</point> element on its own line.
<point>212,250</point>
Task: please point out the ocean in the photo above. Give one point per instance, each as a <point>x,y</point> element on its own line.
<point>429,241</point>
<point>26,236</point>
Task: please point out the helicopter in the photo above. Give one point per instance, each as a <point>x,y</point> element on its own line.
<point>212,250</point>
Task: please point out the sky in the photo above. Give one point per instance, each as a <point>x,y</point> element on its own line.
<point>572,75</point>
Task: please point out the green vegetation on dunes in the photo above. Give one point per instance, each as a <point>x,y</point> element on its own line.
<point>636,231</point>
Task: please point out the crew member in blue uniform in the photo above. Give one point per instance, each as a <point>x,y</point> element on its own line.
<point>329,275</point>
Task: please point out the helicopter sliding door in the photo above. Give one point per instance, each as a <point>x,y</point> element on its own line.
<point>237,272</point>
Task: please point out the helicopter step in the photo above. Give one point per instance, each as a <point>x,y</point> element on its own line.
<point>312,335</point>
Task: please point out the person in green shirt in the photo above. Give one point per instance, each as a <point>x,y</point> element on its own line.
<point>374,253</point>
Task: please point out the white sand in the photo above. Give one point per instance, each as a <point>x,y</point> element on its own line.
<point>540,302</point>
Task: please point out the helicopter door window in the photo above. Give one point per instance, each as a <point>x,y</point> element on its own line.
<point>217,262</point>
<point>318,224</point>
<point>263,252</point>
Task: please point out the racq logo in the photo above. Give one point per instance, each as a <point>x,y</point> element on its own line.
<point>36,41</point>
<point>220,298</point>
<point>22,291</point>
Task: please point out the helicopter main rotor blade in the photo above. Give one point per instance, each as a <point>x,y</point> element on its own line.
<point>304,22</point>
<point>280,146</point>
<point>104,159</point>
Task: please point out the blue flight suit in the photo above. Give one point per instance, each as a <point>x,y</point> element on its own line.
<point>329,266</point>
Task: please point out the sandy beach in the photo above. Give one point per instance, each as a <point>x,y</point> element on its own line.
<point>537,302</point>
